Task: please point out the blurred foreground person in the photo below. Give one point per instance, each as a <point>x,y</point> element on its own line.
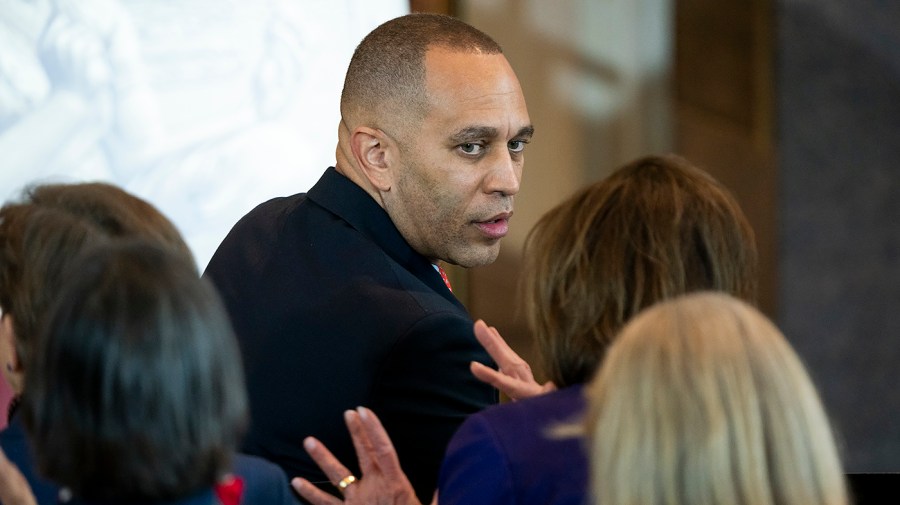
<point>137,393</point>
<point>41,236</point>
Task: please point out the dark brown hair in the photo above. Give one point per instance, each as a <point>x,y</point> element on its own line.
<point>654,229</point>
<point>44,231</point>
<point>387,71</point>
<point>137,394</point>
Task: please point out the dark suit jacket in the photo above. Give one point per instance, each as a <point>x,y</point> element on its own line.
<point>334,310</point>
<point>264,482</point>
<point>505,455</point>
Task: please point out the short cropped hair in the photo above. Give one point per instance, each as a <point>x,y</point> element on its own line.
<point>702,400</point>
<point>138,393</point>
<point>387,71</point>
<point>41,234</point>
<point>656,228</point>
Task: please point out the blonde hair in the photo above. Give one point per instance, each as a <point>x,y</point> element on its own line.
<point>702,401</point>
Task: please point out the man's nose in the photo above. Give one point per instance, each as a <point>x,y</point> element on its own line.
<point>505,175</point>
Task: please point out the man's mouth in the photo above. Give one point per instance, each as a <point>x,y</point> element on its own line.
<point>496,227</point>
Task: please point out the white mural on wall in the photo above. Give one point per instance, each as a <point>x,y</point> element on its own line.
<point>204,107</point>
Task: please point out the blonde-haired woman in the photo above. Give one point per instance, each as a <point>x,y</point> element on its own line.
<point>701,400</point>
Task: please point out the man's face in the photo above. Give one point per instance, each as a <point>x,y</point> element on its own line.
<point>457,173</point>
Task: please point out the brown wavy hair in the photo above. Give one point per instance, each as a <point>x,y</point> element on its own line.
<point>656,228</point>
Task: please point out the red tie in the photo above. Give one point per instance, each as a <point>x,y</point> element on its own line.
<point>444,276</point>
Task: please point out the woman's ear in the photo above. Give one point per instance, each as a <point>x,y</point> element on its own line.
<point>10,364</point>
<point>372,150</point>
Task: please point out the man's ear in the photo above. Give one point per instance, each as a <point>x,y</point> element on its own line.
<point>372,152</point>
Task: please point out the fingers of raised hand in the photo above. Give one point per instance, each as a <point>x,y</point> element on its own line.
<point>381,448</point>
<point>312,494</point>
<point>361,442</point>
<point>507,359</point>
<point>514,387</point>
<point>490,339</point>
<point>487,374</point>
<point>391,484</point>
<point>333,468</point>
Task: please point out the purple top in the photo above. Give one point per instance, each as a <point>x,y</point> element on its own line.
<point>504,455</point>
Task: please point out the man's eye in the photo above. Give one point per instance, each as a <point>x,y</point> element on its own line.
<point>516,146</point>
<point>470,148</point>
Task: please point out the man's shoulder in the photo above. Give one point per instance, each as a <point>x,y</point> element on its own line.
<point>272,211</point>
<point>264,222</point>
<point>252,239</point>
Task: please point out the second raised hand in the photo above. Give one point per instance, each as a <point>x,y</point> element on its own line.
<point>514,378</point>
<point>382,481</point>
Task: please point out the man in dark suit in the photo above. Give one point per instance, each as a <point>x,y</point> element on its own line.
<point>337,295</point>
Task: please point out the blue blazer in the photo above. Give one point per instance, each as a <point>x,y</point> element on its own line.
<point>505,455</point>
<point>17,448</point>
<point>264,482</point>
<point>205,497</point>
<point>333,309</point>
